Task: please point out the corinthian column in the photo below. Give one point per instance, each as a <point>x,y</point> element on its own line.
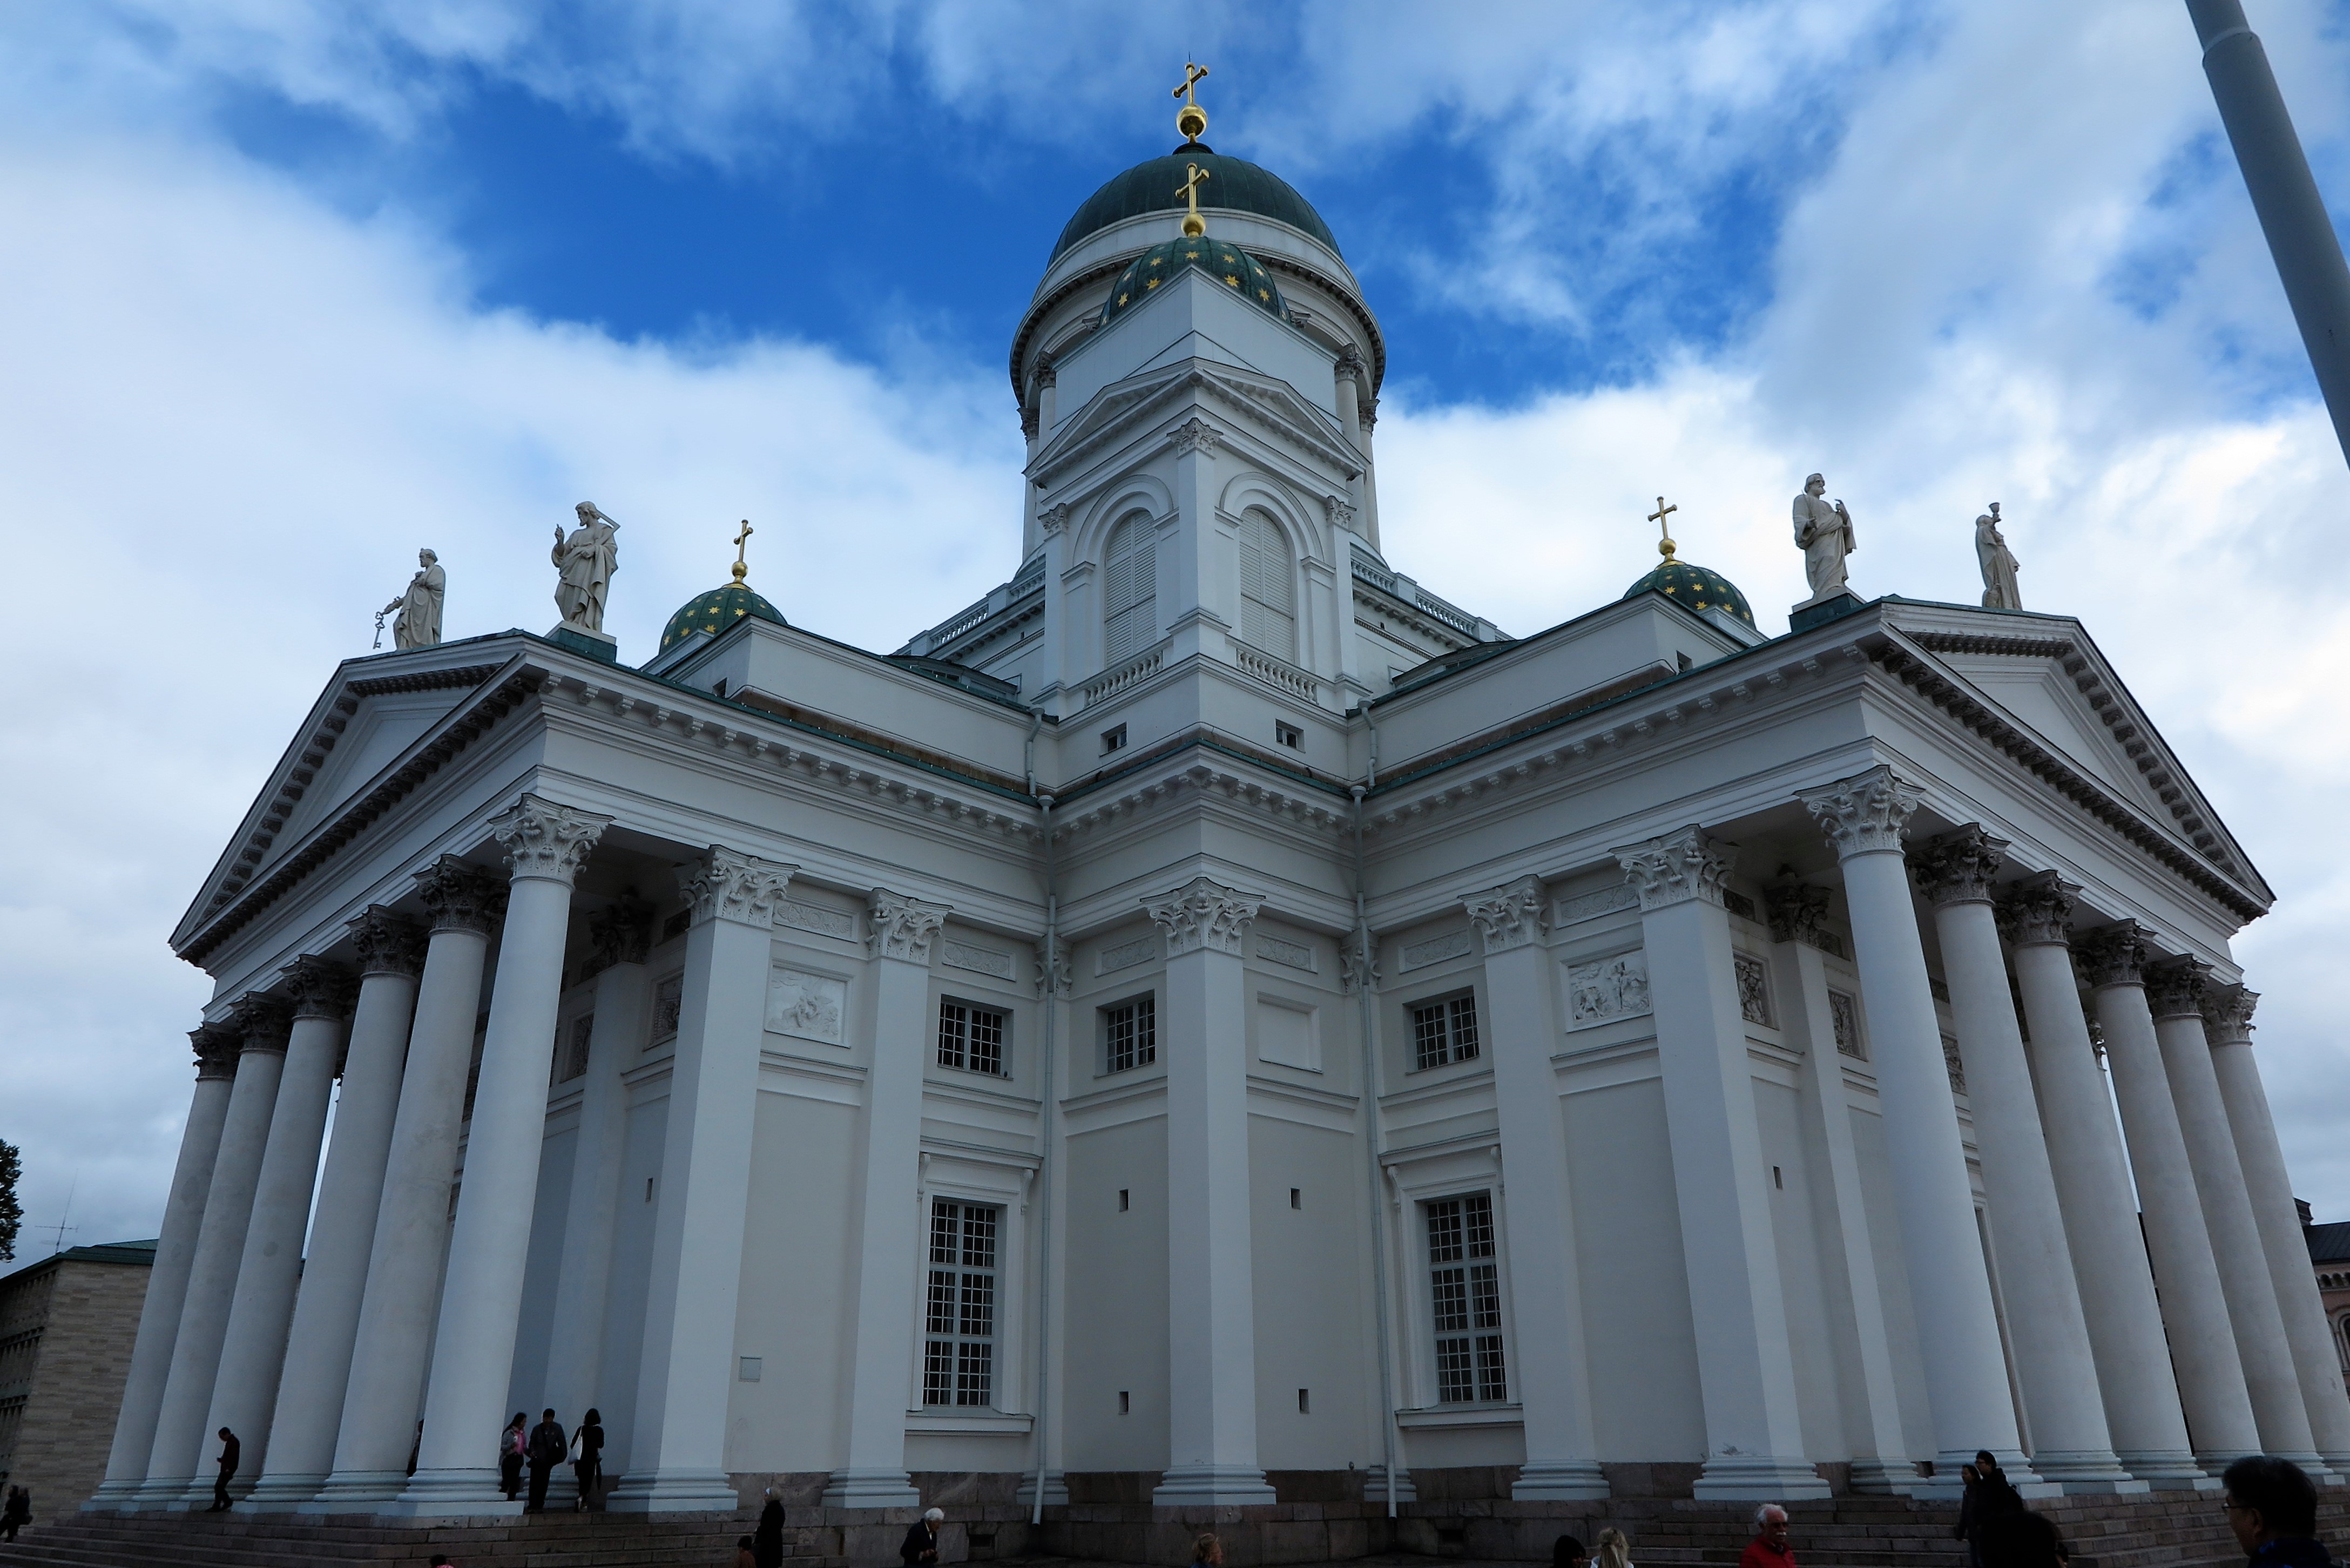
<point>411,1223</point>
<point>2174,992</point>
<point>1550,1379</point>
<point>481,1297</point>
<point>179,1429</point>
<point>2228,1022</point>
<point>252,1352</point>
<point>2194,1312</point>
<point>2054,1366</point>
<point>901,931</point>
<point>334,1275</point>
<point>1212,1308</point>
<point>2093,1193</point>
<point>167,1282</point>
<point>1864,818</point>
<point>1755,1440</point>
<point>677,1444</point>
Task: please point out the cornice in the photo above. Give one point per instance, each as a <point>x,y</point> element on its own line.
<point>1123,413</point>
<point>1206,774</point>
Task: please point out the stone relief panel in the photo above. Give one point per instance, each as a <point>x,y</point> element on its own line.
<point>978,960</point>
<point>1435,950</point>
<point>669,999</point>
<point>1610,987</point>
<point>1753,990</point>
<point>1844,1013</point>
<point>817,917</point>
<point>807,1006</point>
<point>1952,1065</point>
<point>1277,950</point>
<point>1127,954</point>
<point>1590,906</point>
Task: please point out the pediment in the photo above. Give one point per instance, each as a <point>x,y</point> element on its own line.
<point>1275,410</point>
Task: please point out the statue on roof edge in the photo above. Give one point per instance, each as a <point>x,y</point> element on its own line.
<point>2001,590</point>
<point>1823,533</point>
<point>586,561</point>
<point>418,622</point>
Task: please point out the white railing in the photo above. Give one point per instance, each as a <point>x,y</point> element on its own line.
<point>1110,683</point>
<point>1287,676</point>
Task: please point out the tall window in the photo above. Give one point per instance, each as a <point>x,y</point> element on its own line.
<point>1444,1030</point>
<point>959,1326</point>
<point>971,1038</point>
<point>1268,587</point>
<point>1465,1284</point>
<point>1130,591</point>
<point>1129,1034</point>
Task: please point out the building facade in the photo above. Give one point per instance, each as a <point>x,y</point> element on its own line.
<point>67,1324</point>
<point>1215,1011</point>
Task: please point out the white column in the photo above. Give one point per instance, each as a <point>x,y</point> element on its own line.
<point>2055,1366</point>
<point>1212,1297</point>
<point>2228,1021</point>
<point>2174,993</point>
<point>390,951</point>
<point>181,1436</point>
<point>2093,1191</point>
<point>167,1282</point>
<point>481,1295</point>
<point>1868,1395</point>
<point>1548,1374</point>
<point>1187,580</point>
<point>1950,1288</point>
<point>2194,1312</point>
<point>1369,415</point>
<point>889,1232</point>
<point>1754,1438</point>
<point>411,1223</point>
<point>252,1351</point>
<point>621,935</point>
<point>677,1446</point>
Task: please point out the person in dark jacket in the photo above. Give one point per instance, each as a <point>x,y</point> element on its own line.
<point>1566,1552</point>
<point>587,1457</point>
<point>2019,1540</point>
<point>231,1452</point>
<point>1988,1496</point>
<point>18,1514</point>
<point>547,1446</point>
<point>767,1542</point>
<point>2272,1508</point>
<point>921,1543</point>
<point>512,1443</point>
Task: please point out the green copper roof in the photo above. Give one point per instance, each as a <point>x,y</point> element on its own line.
<point>1233,184</point>
<point>716,611</point>
<point>1694,587</point>
<point>1226,263</point>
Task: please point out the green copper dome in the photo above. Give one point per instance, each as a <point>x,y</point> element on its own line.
<point>1223,263</point>
<point>1233,184</point>
<point>1694,587</point>
<point>716,611</point>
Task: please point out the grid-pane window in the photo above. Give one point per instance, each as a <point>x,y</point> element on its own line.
<point>1465,1298</point>
<point>959,1309</point>
<point>1130,1033</point>
<point>1444,1030</point>
<point>971,1038</point>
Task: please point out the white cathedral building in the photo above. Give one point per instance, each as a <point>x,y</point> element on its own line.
<point>1214,1015</point>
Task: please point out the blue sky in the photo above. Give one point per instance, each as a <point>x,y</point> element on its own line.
<point>294,287</point>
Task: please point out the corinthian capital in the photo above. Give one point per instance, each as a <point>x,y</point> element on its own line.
<point>622,931</point>
<point>322,988</point>
<point>216,1046</point>
<point>2175,988</point>
<point>725,884</point>
<point>1195,435</point>
<point>462,895</point>
<point>265,1022</point>
<point>387,943</point>
<point>1053,519</point>
<point>1204,914</point>
<point>546,841</point>
<point>1358,962</point>
<point>2228,1014</point>
<point>1798,912</point>
<point>1676,868</point>
<point>1510,915</point>
<point>2038,910</point>
<point>2112,955</point>
<point>902,927</point>
<point>1959,866</point>
<point>1866,812</point>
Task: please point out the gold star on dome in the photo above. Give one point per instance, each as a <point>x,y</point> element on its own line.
<point>1230,281</point>
<point>1152,282</point>
<point>1122,298</point>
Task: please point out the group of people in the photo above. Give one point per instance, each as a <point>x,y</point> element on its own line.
<point>542,1449</point>
<point>1613,1548</point>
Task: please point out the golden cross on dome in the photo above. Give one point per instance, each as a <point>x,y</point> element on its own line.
<point>1191,120</point>
<point>742,543</point>
<point>1664,544</point>
<point>1193,224</point>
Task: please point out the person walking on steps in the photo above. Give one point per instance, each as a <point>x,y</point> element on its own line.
<point>1769,1549</point>
<point>511,1443</point>
<point>1612,1549</point>
<point>767,1542</point>
<point>547,1446</point>
<point>231,1452</point>
<point>587,1457</point>
<point>2273,1508</point>
<point>18,1514</point>
<point>921,1543</point>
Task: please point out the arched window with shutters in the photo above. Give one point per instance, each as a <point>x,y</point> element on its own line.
<point>1268,586</point>
<point>1130,591</point>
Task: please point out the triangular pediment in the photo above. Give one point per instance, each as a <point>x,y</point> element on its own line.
<point>1266,407</point>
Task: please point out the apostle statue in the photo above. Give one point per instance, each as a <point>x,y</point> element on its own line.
<point>417,623</point>
<point>1823,533</point>
<point>586,560</point>
<point>1998,562</point>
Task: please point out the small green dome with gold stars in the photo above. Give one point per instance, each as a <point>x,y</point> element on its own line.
<point>1220,259</point>
<point>1694,587</point>
<point>716,611</point>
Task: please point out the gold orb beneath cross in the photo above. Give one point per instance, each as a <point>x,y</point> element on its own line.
<point>1191,119</point>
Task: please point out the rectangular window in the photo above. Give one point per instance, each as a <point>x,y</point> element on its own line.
<point>1465,1292</point>
<point>1288,734</point>
<point>1444,1030</point>
<point>971,1038</point>
<point>669,1001</point>
<point>1844,1013</point>
<point>1131,1034</point>
<point>575,1048</point>
<point>959,1313</point>
<point>1113,740</point>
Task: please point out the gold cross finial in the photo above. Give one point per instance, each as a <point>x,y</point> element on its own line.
<point>1664,544</point>
<point>1193,224</point>
<point>742,543</point>
<point>1191,120</point>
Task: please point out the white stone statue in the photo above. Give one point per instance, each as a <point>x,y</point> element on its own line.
<point>418,621</point>
<point>1823,533</point>
<point>586,560</point>
<point>2001,590</point>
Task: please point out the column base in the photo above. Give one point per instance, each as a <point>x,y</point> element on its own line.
<point>157,1494</point>
<point>1056,1489</point>
<point>2169,1469</point>
<point>279,1493</point>
<point>1884,1478</point>
<point>673,1491</point>
<point>1757,1478</point>
<point>112,1497</point>
<point>869,1488</point>
<point>1211,1486</point>
<point>471,1493</point>
<point>2087,1473</point>
<point>1574,1480</point>
<point>2338,1464</point>
<point>355,1492</point>
<point>1375,1486</point>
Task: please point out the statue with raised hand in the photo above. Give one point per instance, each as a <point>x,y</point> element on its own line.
<point>586,560</point>
<point>1823,534</point>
